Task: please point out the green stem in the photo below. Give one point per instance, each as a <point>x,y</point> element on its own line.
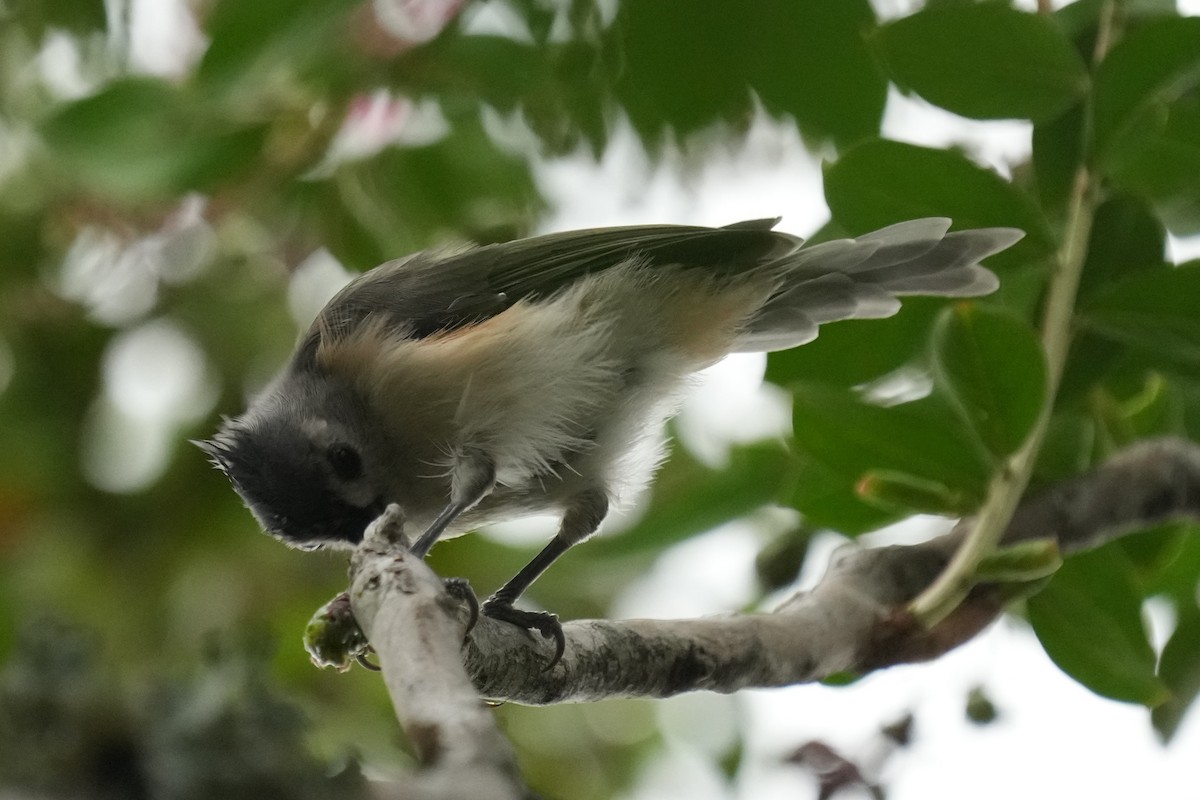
<point>1010,479</point>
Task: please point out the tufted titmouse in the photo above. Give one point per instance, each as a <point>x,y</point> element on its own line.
<point>486,384</point>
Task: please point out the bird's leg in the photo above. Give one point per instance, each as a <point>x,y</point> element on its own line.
<point>471,480</point>
<point>580,520</point>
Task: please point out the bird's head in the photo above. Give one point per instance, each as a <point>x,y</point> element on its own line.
<point>303,462</point>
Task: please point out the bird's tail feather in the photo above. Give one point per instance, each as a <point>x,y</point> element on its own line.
<point>862,278</point>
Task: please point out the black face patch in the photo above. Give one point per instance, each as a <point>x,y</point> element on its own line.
<point>282,478</point>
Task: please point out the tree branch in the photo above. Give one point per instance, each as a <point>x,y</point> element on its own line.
<point>853,621</point>
<point>416,629</point>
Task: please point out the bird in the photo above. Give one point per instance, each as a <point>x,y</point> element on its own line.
<point>483,384</point>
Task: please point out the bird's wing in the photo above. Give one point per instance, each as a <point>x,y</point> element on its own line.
<point>543,264</point>
<point>433,292</point>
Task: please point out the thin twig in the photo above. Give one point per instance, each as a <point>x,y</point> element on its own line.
<point>1012,476</point>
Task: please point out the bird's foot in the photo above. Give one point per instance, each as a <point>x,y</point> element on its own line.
<point>461,590</point>
<point>543,622</point>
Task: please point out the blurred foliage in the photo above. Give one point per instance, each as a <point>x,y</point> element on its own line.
<point>133,203</point>
<point>221,732</point>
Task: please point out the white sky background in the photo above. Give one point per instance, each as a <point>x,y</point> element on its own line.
<point>1053,738</point>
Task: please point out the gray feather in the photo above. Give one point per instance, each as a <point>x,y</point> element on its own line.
<point>862,278</point>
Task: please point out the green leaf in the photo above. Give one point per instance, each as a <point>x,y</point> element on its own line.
<point>1191,407</point>
<point>1147,117</point>
<point>1140,77</point>
<point>1157,410</point>
<point>654,88</point>
<point>985,61</point>
<point>828,499</point>
<point>254,45</point>
<point>38,17</point>
<point>880,182</point>
<point>24,245</point>
<point>1067,449</point>
<point>1089,620</point>
<point>843,92</point>
<point>857,351</point>
<point>991,364</point>
<point>1169,559</point>
<point>1163,165</point>
<point>1127,237</point>
<point>1081,19</point>
<point>1156,311</point>
<point>780,560</point>
<point>1154,549</point>
<point>980,710</point>
<point>140,138</point>
<point>852,436</point>
<point>1090,361</point>
<point>907,494</point>
<point>1057,153</point>
<point>689,65</point>
<point>496,70</point>
<point>1179,669</point>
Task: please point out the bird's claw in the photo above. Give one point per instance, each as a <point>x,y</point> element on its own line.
<point>365,662</point>
<point>543,622</point>
<point>461,590</point>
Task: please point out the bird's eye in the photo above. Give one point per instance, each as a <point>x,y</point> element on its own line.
<point>345,461</point>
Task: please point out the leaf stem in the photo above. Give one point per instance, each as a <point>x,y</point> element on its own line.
<point>1011,477</point>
